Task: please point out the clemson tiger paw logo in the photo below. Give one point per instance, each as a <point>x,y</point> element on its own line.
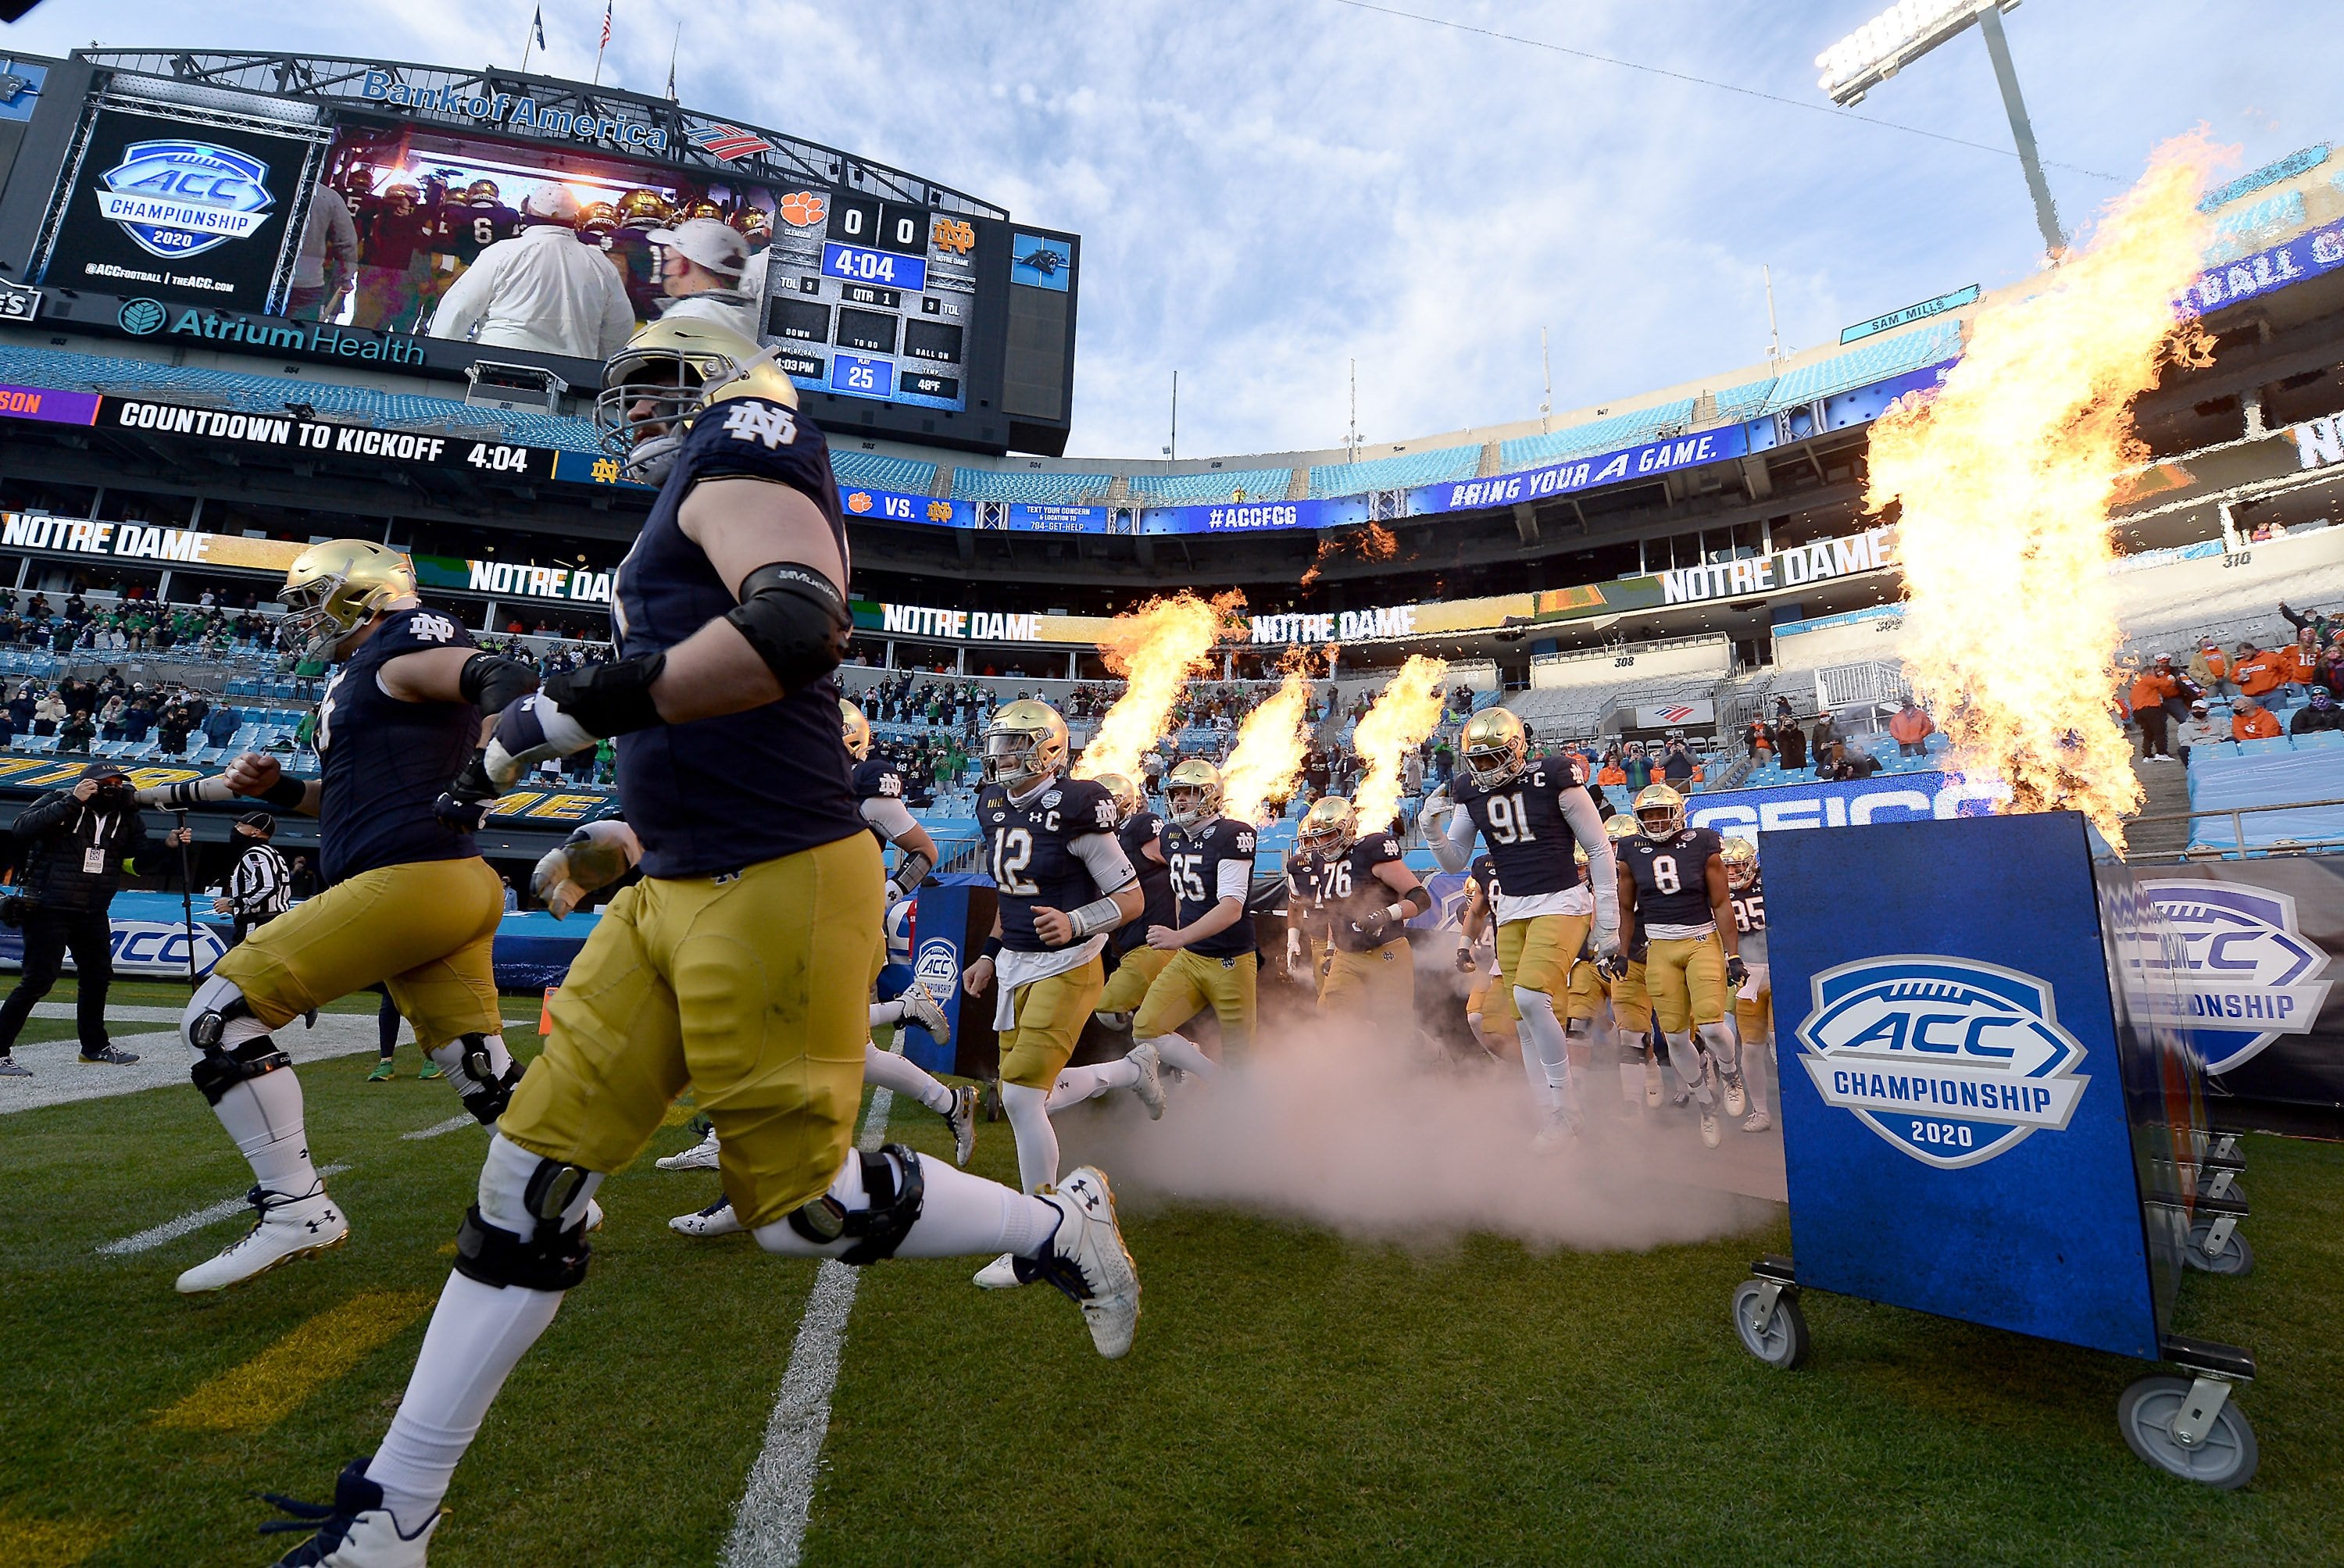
<point>804,209</point>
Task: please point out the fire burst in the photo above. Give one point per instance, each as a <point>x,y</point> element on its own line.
<point>1403,714</point>
<point>1158,648</point>
<point>2004,480</point>
<point>1269,750</point>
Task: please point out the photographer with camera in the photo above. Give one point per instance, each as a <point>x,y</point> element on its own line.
<point>78,844</point>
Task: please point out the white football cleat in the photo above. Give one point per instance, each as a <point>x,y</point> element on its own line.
<point>1001,1274</point>
<point>594,1216</point>
<point>288,1227</point>
<point>961,1121</point>
<point>1710,1135</point>
<point>1088,1261</point>
<point>1561,1131</point>
<point>700,1156</point>
<point>1759,1122</point>
<point>355,1531</point>
<point>1149,1086</point>
<point>717,1220</point>
<point>1651,1082</point>
<point>921,1008</point>
<point>1736,1102</point>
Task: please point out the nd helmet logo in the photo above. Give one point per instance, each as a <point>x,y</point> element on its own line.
<point>178,198</point>
<point>2251,976</point>
<point>1952,1060</point>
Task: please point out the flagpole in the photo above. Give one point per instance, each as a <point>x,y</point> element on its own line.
<point>672,51</point>
<point>527,38</point>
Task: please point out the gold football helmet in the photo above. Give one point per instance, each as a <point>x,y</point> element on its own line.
<point>1495,746</point>
<point>333,589</point>
<point>857,728</point>
<point>666,375</point>
<point>1025,742</point>
<point>646,207</point>
<point>1329,827</point>
<point>1622,826</point>
<point>1193,792</point>
<point>1129,800</point>
<point>483,193</point>
<point>703,207</point>
<point>1741,857</point>
<point>600,217</point>
<point>1659,812</point>
<point>753,221</point>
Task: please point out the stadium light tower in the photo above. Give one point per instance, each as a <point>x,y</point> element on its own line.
<point>1910,29</point>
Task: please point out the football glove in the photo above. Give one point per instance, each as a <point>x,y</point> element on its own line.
<point>596,856</point>
<point>464,804</point>
<point>1465,964</point>
<point>1611,963</point>
<point>1736,971</point>
<point>1297,963</point>
<point>1373,929</point>
<point>1435,810</point>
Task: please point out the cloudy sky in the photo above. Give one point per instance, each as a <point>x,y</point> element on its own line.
<point>1270,190</point>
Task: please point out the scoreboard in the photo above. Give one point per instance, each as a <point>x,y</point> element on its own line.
<point>165,195</point>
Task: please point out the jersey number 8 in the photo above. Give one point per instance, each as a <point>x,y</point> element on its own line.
<point>1665,874</point>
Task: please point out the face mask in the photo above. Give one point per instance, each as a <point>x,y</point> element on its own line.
<point>114,797</point>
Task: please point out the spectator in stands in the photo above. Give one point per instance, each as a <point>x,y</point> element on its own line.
<point>2257,674</point>
<point>2319,713</point>
<point>2209,671</point>
<point>1611,773</point>
<point>2150,689</point>
<point>1912,728</point>
<point>1639,766</point>
<point>303,877</point>
<point>541,290</point>
<point>1841,763</point>
<point>2300,659</point>
<point>329,258</point>
<point>2200,730</point>
<point>2321,625</point>
<point>219,725</point>
<point>109,718</point>
<point>1677,769</point>
<point>76,733</point>
<point>700,261</point>
<point>1790,740</point>
<point>1820,738</point>
<point>2250,720</point>
<point>48,715</point>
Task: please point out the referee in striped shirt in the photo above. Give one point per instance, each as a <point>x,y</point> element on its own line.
<point>261,887</point>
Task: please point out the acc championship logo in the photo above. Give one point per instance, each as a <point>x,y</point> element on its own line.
<point>938,969</point>
<point>142,947</point>
<point>1951,1060</point>
<point>2251,976</point>
<point>897,924</point>
<point>178,200</point>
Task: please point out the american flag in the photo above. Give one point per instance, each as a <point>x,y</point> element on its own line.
<point>728,141</point>
<point>606,22</point>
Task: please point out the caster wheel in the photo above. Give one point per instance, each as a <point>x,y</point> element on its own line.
<point>2236,1191</point>
<point>1781,1340</point>
<point>2235,1257</point>
<point>2145,1414</point>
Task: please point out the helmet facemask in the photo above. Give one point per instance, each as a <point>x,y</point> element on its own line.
<point>316,617</point>
<point>1490,765</point>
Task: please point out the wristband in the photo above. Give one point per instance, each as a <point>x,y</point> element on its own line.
<point>1098,915</point>
<point>286,793</point>
<point>992,948</point>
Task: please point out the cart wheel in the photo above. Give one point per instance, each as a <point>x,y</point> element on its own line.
<point>2235,1257</point>
<point>1781,1340</point>
<point>2227,1457</point>
<point>2237,1191</point>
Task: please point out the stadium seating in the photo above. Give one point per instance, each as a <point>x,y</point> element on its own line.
<point>1874,361</point>
<point>1216,485</point>
<point>1031,486</point>
<point>2237,776</point>
<point>1632,429</point>
<point>881,470</point>
<point>1399,472</point>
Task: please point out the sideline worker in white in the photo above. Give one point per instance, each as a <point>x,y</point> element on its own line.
<point>541,290</point>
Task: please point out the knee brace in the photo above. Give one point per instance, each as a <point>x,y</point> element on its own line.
<point>890,1206</point>
<point>490,1090</point>
<point>550,1258</point>
<point>226,1055</point>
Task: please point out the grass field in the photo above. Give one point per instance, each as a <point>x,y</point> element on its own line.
<point>1293,1396</point>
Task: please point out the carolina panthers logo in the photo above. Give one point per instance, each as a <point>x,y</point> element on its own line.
<point>1951,1060</point>
<point>180,198</point>
<point>2252,975</point>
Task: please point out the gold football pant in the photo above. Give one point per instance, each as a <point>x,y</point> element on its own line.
<point>1381,985</point>
<point>1632,1004</point>
<point>1050,1014</point>
<point>1133,973</point>
<point>1537,954</point>
<point>1586,989</point>
<point>1686,978</point>
<point>427,928</point>
<point>1192,982</point>
<point>741,986</point>
<point>1755,1012</point>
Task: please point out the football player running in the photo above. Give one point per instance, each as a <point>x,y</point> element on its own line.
<point>1488,1014</point>
<point>1673,889</point>
<point>1369,894</point>
<point>1213,962</point>
<point>1753,1003</point>
<point>1528,812</point>
<point>1135,964</point>
<point>738,965</point>
<point>1062,882</point>
<point>407,901</point>
<point>1308,923</point>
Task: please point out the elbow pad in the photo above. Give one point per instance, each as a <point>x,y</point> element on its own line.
<point>795,619</point>
<point>492,681</point>
<point>1418,898</point>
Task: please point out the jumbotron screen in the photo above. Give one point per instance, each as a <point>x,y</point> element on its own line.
<point>341,226</point>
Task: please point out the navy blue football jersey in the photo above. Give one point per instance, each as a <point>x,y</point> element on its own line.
<point>1196,857</point>
<point>1305,894</point>
<point>1484,871</point>
<point>1155,882</point>
<point>385,760</point>
<point>1522,824</point>
<point>1671,876</point>
<point>1353,888</point>
<point>1031,854</point>
<point>877,778</point>
<point>717,796</point>
<point>464,232</point>
<point>1750,919</point>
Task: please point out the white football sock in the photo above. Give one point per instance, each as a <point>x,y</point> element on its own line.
<point>1180,1051</point>
<point>1543,1031</point>
<point>885,1013</point>
<point>1037,1140</point>
<point>1753,1073</point>
<point>264,1116</point>
<point>961,1216</point>
<point>1533,1070</point>
<point>890,1071</point>
<point>1076,1085</point>
<point>1688,1064</point>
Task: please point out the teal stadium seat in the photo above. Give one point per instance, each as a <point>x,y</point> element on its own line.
<point>1401,471</point>
<point>1629,429</point>
<point>1214,486</point>
<point>1034,487</point>
<point>881,470</point>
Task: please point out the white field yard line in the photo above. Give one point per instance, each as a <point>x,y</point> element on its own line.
<point>462,1118</point>
<point>769,1527</point>
<point>195,1219</point>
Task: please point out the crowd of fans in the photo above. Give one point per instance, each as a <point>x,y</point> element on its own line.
<point>1821,747</point>
<point>80,713</point>
<point>131,624</point>
<point>2172,704</point>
